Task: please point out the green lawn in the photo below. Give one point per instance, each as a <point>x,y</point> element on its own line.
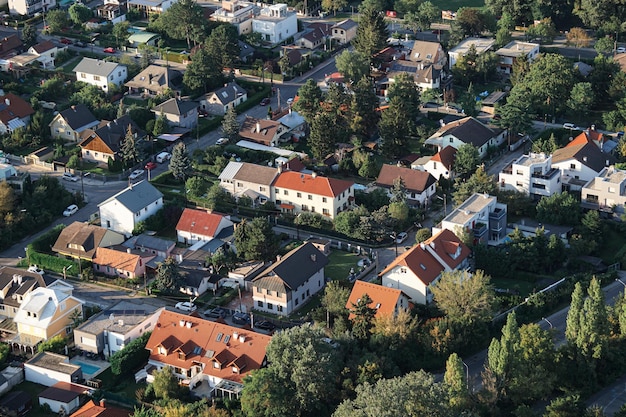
<point>340,263</point>
<point>122,386</point>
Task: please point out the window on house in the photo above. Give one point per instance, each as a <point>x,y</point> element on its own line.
<point>261,188</point>
<point>305,207</point>
<point>572,166</point>
<point>277,191</point>
<point>302,296</point>
<point>279,309</point>
<point>313,209</point>
<point>216,365</point>
<point>299,195</point>
<point>310,197</point>
<point>270,306</point>
<point>324,198</point>
<point>83,75</point>
<point>308,292</point>
<point>96,78</point>
<point>278,294</point>
<point>451,140</point>
<point>259,304</point>
<point>285,192</point>
<point>296,301</point>
<point>325,211</point>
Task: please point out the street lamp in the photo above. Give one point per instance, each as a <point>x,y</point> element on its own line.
<point>65,269</point>
<point>548,321</point>
<point>466,374</point>
<point>445,203</point>
<point>394,236</point>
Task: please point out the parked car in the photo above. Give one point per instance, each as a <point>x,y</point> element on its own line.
<point>569,126</point>
<point>621,50</point>
<point>265,325</point>
<point>401,237</point>
<point>186,306</point>
<point>222,141</point>
<point>163,156</point>
<point>79,44</point>
<point>35,269</point>
<point>70,210</point>
<point>66,41</point>
<point>216,313</point>
<point>109,50</point>
<point>241,318</point>
<point>68,176</point>
<point>290,100</point>
<point>265,101</point>
<point>151,165</point>
<point>136,174</point>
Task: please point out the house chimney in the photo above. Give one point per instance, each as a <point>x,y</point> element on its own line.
<point>103,403</point>
<point>314,175</point>
<point>278,258</point>
<point>258,127</point>
<point>182,323</point>
<point>128,250</point>
<point>7,101</point>
<point>242,339</point>
<point>593,127</point>
<point>74,108</point>
<point>423,246</point>
<point>188,324</point>
<point>235,335</point>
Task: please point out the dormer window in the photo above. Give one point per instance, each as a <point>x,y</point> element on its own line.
<point>162,350</point>
<point>216,365</point>
<point>181,356</point>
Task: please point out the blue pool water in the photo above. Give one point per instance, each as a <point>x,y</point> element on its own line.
<point>87,369</point>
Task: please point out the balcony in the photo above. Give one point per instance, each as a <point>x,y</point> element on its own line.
<point>479,230</point>
<point>547,176</point>
<point>497,214</point>
<point>508,169</point>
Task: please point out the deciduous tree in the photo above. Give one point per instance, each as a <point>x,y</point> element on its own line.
<point>309,99</point>
<point>559,209</point>
<point>57,20</point>
<point>202,72</point>
<point>479,182</point>
<point>223,46</point>
<point>353,65</point>
<point>182,19</point>
<point>466,160</point>
<point>79,13</point>
<point>465,297</point>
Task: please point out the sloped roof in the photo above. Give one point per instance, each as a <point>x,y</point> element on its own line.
<point>384,297</point>
<point>156,78</point>
<point>449,248</point>
<point>414,180</point>
<point>425,51</point>
<point>446,156</point>
<point>206,342</point>
<point>585,152</point>
<point>44,46</point>
<point>44,302</point>
<point>259,130</point>
<point>420,262</point>
<point>96,67</point>
<point>149,242</point>
<point>175,106</point>
<point>63,392</point>
<point>84,238</point>
<point>123,261</point>
<point>467,130</point>
<point>78,116</point>
<point>9,42</point>
<point>257,174</point>
<point>97,409</point>
<point>12,106</point>
<point>345,24</point>
<point>136,196</point>
<point>228,93</point>
<point>111,133</point>
<point>292,270</point>
<point>199,222</point>
<point>311,183</point>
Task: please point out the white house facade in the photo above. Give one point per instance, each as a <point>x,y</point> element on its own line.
<point>275,23</point>
<point>531,174</point>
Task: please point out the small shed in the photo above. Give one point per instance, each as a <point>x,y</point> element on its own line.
<point>63,396</point>
<point>47,368</point>
<point>15,404</point>
<point>42,154</point>
<point>143,38</point>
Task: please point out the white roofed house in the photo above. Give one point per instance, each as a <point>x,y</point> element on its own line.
<point>237,13</point>
<point>100,73</point>
<point>150,7</point>
<point>509,53</point>
<point>606,192</point>
<point>531,174</point>
<point>254,181</point>
<point>220,101</point>
<point>481,45</point>
<point>275,23</point>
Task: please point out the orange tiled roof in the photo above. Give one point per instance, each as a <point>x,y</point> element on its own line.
<point>116,259</point>
<point>206,342</point>
<point>96,409</point>
<point>420,262</point>
<point>324,186</point>
<point>199,222</point>
<point>446,244</point>
<point>414,180</point>
<point>446,156</point>
<point>385,297</point>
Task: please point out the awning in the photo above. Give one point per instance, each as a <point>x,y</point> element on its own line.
<point>287,206</point>
<point>16,124</point>
<point>170,137</point>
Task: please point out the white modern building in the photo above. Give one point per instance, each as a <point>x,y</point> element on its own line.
<point>481,45</point>
<point>101,73</point>
<point>531,174</point>
<point>30,7</point>
<point>237,13</point>
<point>607,191</point>
<point>275,23</point>
<point>509,53</point>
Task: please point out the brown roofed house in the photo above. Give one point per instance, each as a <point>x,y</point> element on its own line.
<point>80,240</point>
<point>263,131</point>
<point>386,301</point>
<point>124,264</point>
<point>419,186</point>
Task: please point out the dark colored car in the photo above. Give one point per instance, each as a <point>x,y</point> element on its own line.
<point>66,41</point>
<point>216,313</point>
<point>265,102</point>
<point>79,44</point>
<point>265,325</point>
<point>241,318</point>
<point>151,165</point>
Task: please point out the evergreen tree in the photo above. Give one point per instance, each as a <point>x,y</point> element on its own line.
<point>161,126</point>
<point>322,137</point>
<point>592,338</point>
<point>230,125</point>
<point>406,92</point>
<point>363,108</point>
<point>255,240</point>
<point>29,35</point>
<point>168,277</point>
<point>362,321</point>
<point>456,382</point>
<point>479,182</point>
<point>180,163</point>
<point>372,32</point>
<point>309,99</point>
<point>223,46</point>
<point>574,315</point>
<point>395,128</point>
<point>130,154</point>
<point>202,73</point>
<point>466,160</point>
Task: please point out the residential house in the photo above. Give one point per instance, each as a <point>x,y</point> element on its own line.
<point>386,301</point>
<point>200,350</point>
<point>481,45</point>
<point>580,161</point>
<point>112,10</point>
<point>425,76</point>
<point>237,13</point>
<point>7,171</point>
<point>296,125</point>
<point>10,45</point>
<point>80,240</point>
<point>199,225</point>
<point>594,136</point>
<point>148,8</point>
<point>291,281</point>
<point>45,313</point>
<point>105,142</point>
<point>155,80</point>
<point>43,53</point>
<point>179,113</point>
<point>220,101</point>
<point>30,7</point>
<point>16,179</point>
<point>160,248</point>
<point>607,191</point>
<point>275,23</point>
<point>419,268</point>
<point>118,263</point>
<point>467,130</point>
<point>15,113</point>
<point>246,51</point>
<point>315,37</point>
<point>197,274</point>
<point>93,408</point>
<point>419,186</point>
<point>295,192</point>
<point>63,396</point>
<point>47,368</point>
<point>16,404</point>
<point>15,285</point>
<point>481,215</point>
<point>101,73</point>
<point>531,174</point>
<point>115,327</point>
<point>428,53</point>
<point>294,56</point>
<point>440,165</point>
<point>489,103</point>
<point>72,122</point>
<point>511,52</point>
<point>263,131</point>
<point>343,32</point>
<point>130,206</point>
<point>244,178</point>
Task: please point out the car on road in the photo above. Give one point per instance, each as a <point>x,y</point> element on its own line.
<point>151,165</point>
<point>68,176</point>
<point>109,50</point>
<point>569,126</point>
<point>136,174</point>
<point>621,50</point>
<point>79,44</point>
<point>70,210</point>
<point>66,41</point>
<point>265,101</point>
<point>401,237</point>
<point>241,318</point>
<point>186,306</point>
<point>216,313</point>
<point>35,269</point>
<point>265,325</point>
<point>222,141</point>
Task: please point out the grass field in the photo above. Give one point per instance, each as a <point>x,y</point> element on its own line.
<point>340,263</point>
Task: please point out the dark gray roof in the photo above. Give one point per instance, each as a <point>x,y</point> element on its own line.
<point>469,130</point>
<point>228,93</point>
<point>149,242</point>
<point>213,245</point>
<point>346,24</point>
<point>78,116</point>
<point>245,50</point>
<point>96,67</point>
<point>58,394</point>
<point>113,133</point>
<point>137,196</point>
<point>292,270</point>
<point>175,106</point>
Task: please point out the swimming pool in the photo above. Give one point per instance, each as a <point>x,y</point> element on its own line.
<point>87,368</point>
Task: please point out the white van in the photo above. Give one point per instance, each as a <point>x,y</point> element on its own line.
<point>163,156</point>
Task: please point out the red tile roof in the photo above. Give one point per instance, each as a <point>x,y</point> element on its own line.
<point>314,184</point>
<point>386,298</point>
<point>414,180</point>
<point>446,156</point>
<point>206,342</point>
<point>12,106</point>
<point>100,409</point>
<point>449,248</point>
<point>123,261</point>
<point>199,221</point>
<point>420,262</point>
<point>44,46</point>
